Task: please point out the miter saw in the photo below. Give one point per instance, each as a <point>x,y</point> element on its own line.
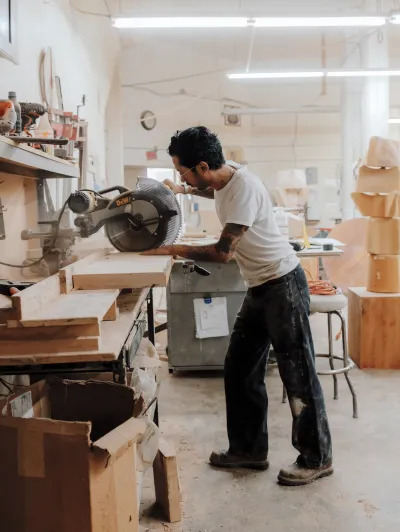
<point>134,220</point>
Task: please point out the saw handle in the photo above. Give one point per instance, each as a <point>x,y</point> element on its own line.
<point>189,266</point>
<point>201,271</point>
<point>120,189</point>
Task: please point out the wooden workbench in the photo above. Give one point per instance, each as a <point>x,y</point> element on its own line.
<point>116,351</point>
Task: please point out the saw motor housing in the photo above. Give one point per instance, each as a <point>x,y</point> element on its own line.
<point>137,220</point>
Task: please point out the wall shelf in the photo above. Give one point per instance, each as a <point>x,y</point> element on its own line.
<point>25,161</point>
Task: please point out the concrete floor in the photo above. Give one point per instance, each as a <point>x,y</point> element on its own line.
<point>363,495</point>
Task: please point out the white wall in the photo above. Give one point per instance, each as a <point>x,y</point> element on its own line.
<point>269,142</point>
<point>86,53</point>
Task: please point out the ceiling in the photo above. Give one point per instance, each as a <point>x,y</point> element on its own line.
<point>155,55</point>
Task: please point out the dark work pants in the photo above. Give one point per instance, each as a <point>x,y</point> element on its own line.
<point>275,312</point>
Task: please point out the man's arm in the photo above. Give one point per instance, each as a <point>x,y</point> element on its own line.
<point>207,193</point>
<point>221,252</point>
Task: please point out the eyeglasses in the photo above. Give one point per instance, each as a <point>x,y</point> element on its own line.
<point>187,171</point>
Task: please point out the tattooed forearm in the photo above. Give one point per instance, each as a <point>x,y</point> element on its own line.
<point>230,238</point>
<point>222,251</point>
<point>205,193</point>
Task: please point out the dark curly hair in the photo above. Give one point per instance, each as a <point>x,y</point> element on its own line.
<point>197,144</point>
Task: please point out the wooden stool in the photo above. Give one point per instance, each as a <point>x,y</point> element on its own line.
<point>333,305</point>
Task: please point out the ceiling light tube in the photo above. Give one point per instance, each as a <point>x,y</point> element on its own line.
<point>314,74</point>
<point>362,73</point>
<point>242,22</point>
<point>318,22</point>
<point>276,75</point>
<point>181,22</point>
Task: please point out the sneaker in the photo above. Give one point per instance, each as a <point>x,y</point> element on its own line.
<point>298,475</point>
<point>230,460</point>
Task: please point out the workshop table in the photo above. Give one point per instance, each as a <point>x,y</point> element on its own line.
<point>318,251</point>
<point>120,340</point>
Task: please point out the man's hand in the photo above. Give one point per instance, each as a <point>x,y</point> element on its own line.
<point>176,189</point>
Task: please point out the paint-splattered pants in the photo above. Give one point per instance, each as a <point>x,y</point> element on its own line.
<point>275,312</point>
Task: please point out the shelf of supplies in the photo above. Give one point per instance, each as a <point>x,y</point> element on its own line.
<point>25,161</point>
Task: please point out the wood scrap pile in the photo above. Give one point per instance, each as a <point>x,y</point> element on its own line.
<point>75,312</point>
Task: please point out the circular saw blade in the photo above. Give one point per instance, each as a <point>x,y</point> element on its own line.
<point>151,220</point>
<point>125,237</point>
<point>126,233</point>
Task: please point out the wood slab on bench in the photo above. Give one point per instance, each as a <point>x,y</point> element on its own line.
<point>113,337</point>
<point>75,308</point>
<point>55,345</point>
<point>16,331</point>
<point>122,270</point>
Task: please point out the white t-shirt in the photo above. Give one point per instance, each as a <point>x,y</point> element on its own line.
<point>263,253</point>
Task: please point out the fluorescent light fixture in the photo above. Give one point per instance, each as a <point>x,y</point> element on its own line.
<point>276,75</point>
<point>362,73</point>
<point>242,22</point>
<point>314,74</point>
<point>181,22</point>
<point>318,22</point>
<point>394,121</point>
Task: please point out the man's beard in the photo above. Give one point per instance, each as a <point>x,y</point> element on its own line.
<point>201,184</point>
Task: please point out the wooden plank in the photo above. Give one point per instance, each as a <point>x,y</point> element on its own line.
<point>5,302</point>
<point>374,329</point>
<point>124,270</point>
<point>112,313</point>
<point>73,309</point>
<point>166,482</point>
<point>16,331</point>
<point>113,335</point>
<point>7,312</point>
<point>36,297</point>
<point>65,274</point>
<point>28,347</point>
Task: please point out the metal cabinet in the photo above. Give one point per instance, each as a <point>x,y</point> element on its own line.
<point>185,351</point>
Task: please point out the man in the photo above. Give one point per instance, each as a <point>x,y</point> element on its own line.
<point>275,310</point>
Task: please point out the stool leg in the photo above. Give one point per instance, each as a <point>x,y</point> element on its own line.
<point>284,395</point>
<point>346,362</point>
<point>335,380</point>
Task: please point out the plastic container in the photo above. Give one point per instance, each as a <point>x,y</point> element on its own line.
<point>12,96</point>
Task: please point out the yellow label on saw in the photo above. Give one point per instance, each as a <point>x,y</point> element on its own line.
<point>122,201</point>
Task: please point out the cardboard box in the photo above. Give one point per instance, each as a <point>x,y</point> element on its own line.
<point>384,274</point>
<point>378,180</point>
<point>67,458</point>
<point>383,153</point>
<point>377,205</point>
<point>384,236</point>
<point>374,329</point>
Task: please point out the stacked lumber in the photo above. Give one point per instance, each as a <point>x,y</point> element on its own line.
<point>69,312</point>
<point>378,196</point>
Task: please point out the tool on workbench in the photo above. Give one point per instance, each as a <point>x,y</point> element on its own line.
<point>30,112</point>
<point>8,116</point>
<point>189,266</point>
<point>135,220</point>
